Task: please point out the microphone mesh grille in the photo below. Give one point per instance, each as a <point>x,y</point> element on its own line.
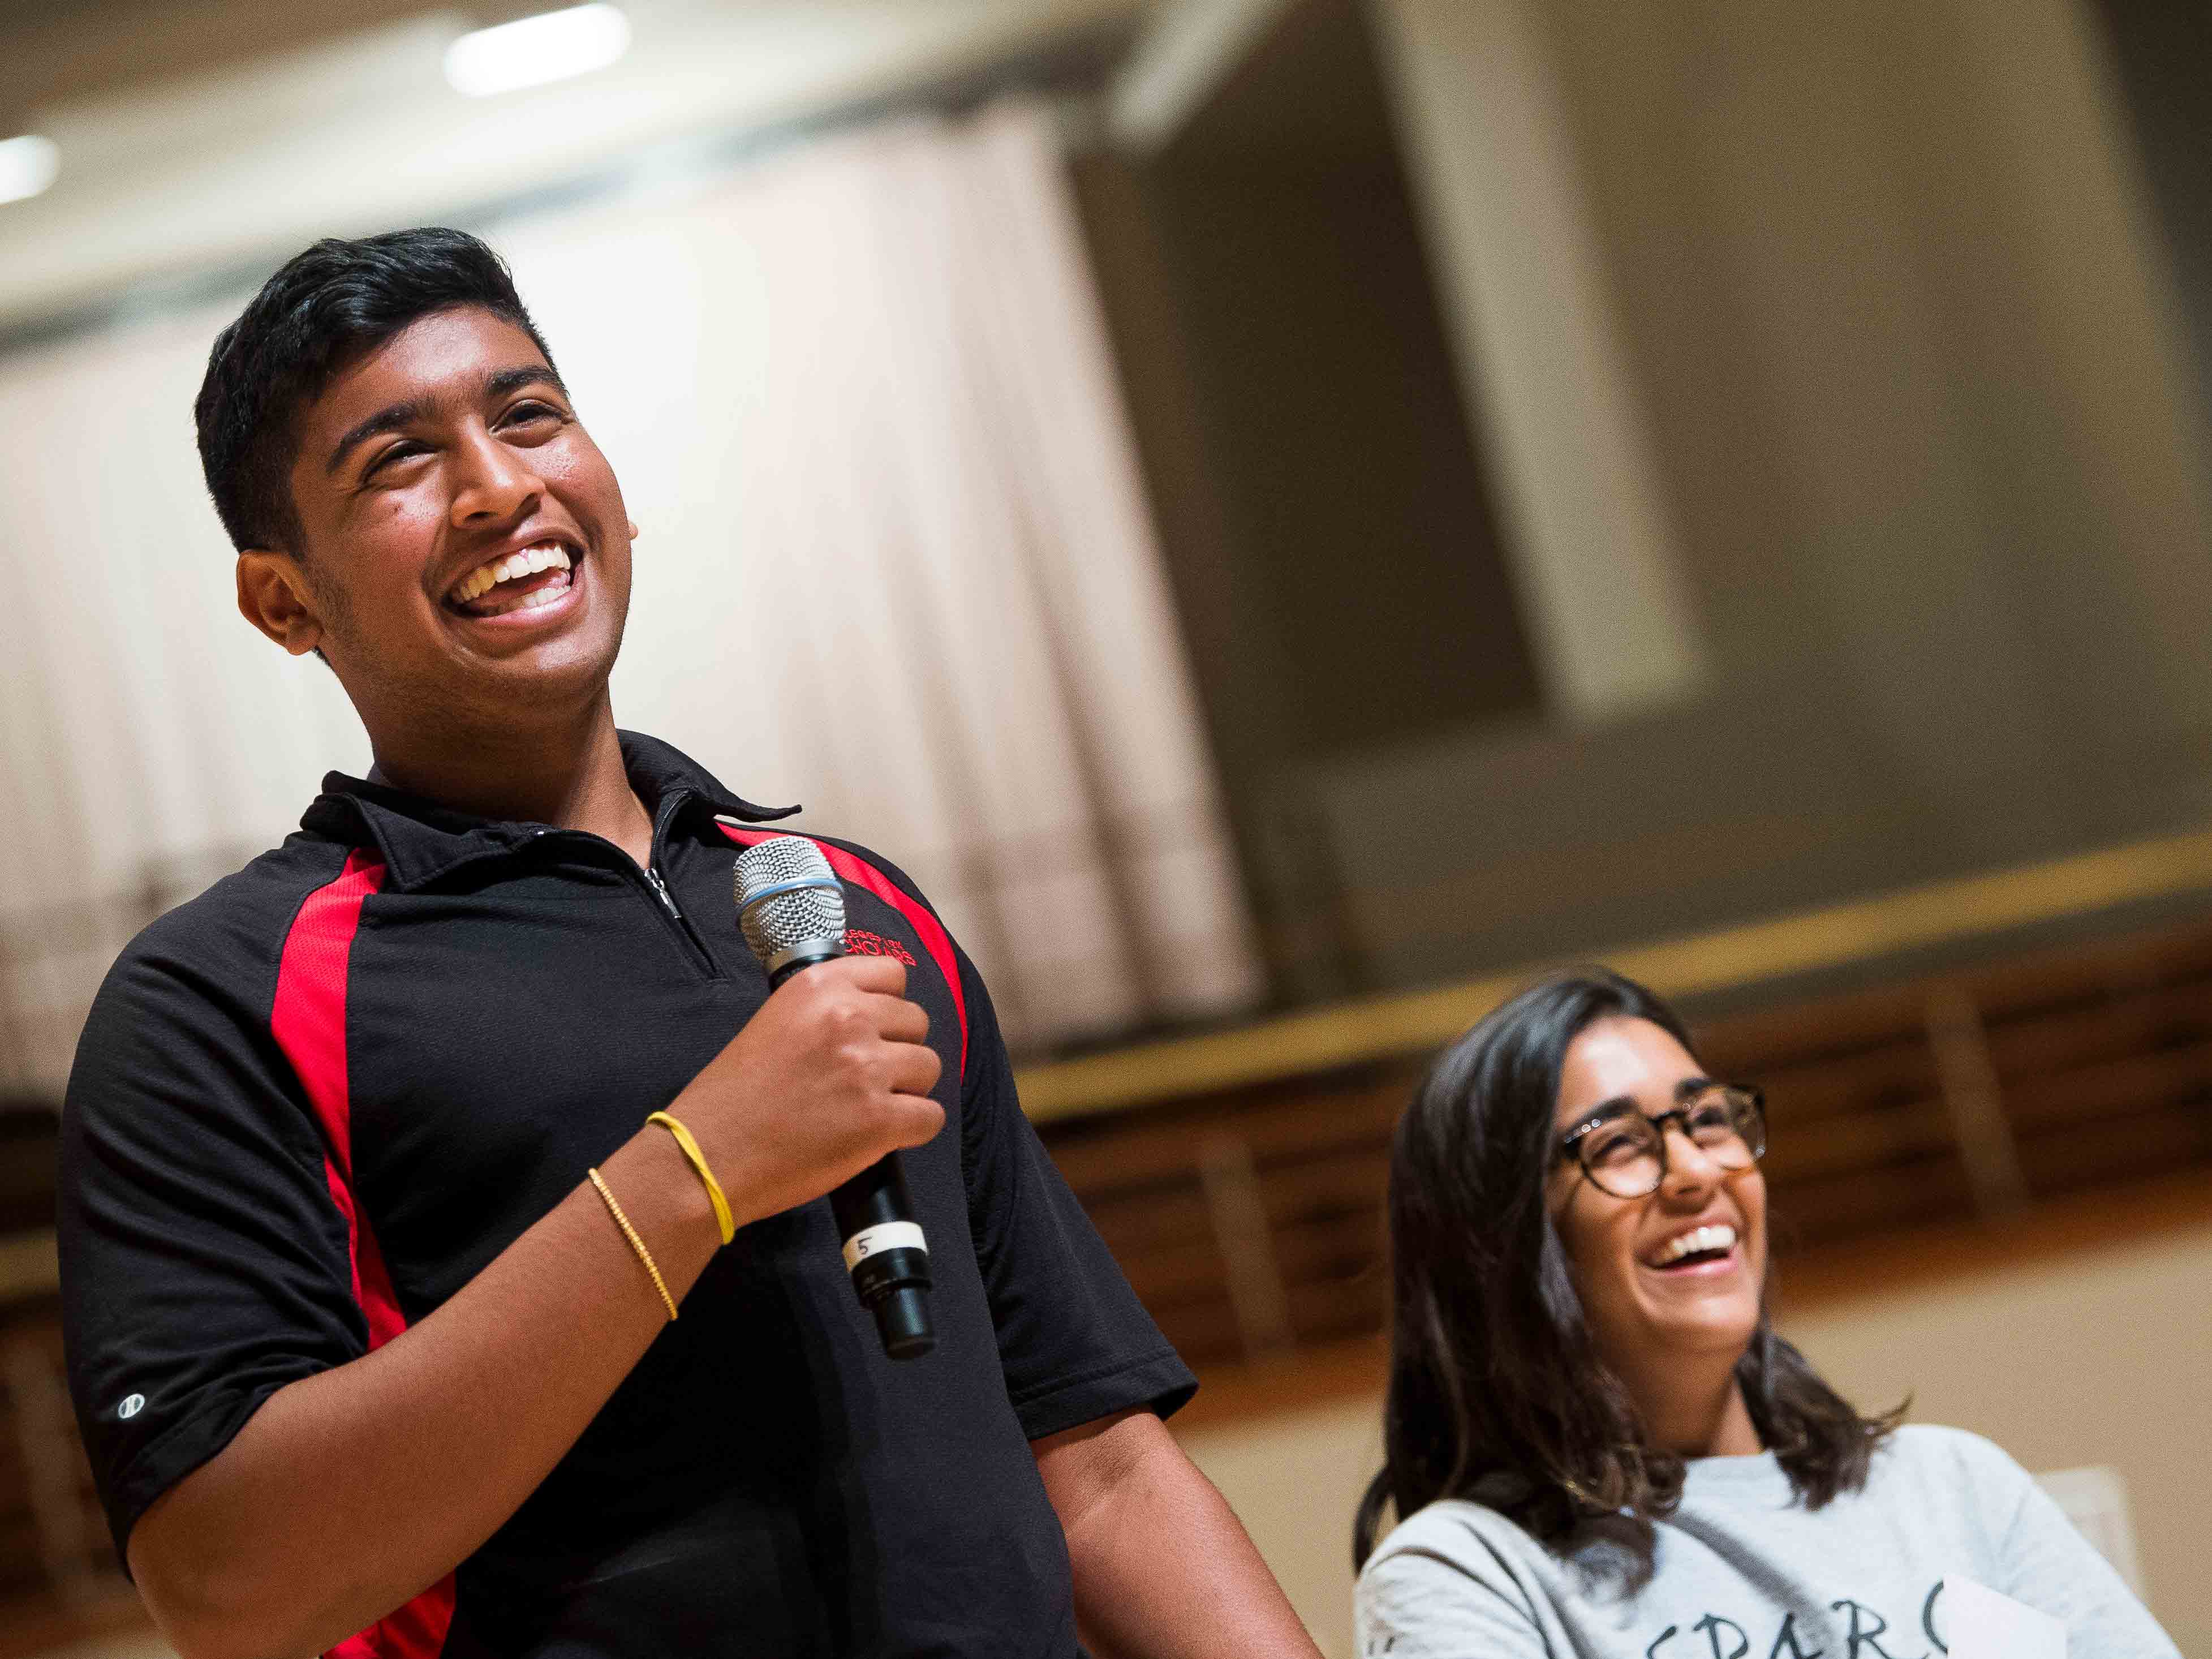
<point>780,920</point>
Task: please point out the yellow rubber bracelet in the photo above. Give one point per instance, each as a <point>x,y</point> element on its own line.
<point>706,1175</point>
<point>635,1244</point>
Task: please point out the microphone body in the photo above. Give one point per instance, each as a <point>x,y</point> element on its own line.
<point>792,910</point>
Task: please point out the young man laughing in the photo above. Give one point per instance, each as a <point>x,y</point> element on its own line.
<point>372,1260</point>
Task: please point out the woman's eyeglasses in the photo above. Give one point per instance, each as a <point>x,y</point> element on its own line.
<point>1625,1154</point>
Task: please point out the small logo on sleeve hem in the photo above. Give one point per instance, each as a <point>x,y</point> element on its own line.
<point>131,1407</point>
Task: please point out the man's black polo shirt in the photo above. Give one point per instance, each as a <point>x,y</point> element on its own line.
<point>313,1102</point>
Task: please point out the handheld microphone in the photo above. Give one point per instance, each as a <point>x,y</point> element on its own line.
<point>791,911</point>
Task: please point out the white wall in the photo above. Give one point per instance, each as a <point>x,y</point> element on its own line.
<point>2103,1358</point>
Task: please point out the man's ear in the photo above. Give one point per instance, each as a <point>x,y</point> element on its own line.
<point>272,595</point>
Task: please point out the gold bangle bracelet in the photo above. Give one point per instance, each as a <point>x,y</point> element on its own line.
<point>635,1243</point>
<point>698,1160</point>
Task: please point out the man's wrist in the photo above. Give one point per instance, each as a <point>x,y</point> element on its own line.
<point>725,1224</point>
<point>665,1200</point>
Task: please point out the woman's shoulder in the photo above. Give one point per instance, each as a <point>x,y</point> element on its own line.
<point>1453,1572</point>
<point>1454,1540</point>
<point>1939,1472</point>
<point>1949,1454</point>
<point>1453,1536</point>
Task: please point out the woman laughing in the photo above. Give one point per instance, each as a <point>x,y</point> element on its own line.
<point>1594,1443</point>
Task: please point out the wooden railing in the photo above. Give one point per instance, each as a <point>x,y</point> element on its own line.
<point>1965,910</point>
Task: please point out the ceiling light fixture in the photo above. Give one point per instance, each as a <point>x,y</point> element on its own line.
<point>27,165</point>
<point>532,51</point>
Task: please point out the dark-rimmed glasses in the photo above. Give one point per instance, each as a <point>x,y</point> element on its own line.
<point>1623,1152</point>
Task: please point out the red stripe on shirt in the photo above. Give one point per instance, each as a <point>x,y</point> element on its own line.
<point>308,1020</point>
<point>851,867</point>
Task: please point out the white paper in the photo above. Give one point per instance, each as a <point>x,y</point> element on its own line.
<point>1980,1624</point>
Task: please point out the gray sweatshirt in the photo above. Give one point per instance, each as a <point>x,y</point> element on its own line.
<point>1741,1571</point>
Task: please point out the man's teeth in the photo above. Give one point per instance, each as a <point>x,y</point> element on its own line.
<point>492,572</point>
<point>1697,1241</point>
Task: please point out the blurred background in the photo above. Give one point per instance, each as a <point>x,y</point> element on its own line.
<point>1286,516</point>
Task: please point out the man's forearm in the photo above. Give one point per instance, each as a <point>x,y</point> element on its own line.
<point>349,1492</point>
<point>1163,1568</point>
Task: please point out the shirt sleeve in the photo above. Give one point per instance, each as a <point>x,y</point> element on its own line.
<point>204,1262</point>
<point>2049,1566</point>
<point>1074,1342</point>
<point>1418,1600</point>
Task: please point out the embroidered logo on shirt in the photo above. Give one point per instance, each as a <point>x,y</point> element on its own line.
<point>131,1407</point>
<point>862,943</point>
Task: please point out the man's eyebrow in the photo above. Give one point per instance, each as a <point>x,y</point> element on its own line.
<point>500,381</point>
<point>1690,1087</point>
<point>390,418</point>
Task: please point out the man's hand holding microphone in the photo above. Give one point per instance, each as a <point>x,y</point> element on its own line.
<point>829,1079</point>
<point>831,1074</point>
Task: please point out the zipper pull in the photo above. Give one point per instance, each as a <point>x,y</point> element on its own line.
<point>661,891</point>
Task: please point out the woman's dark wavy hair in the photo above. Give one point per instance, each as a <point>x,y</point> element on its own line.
<point>1495,1381</point>
<point>321,312</point>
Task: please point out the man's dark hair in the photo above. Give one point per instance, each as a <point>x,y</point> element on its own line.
<point>1496,1389</point>
<point>321,312</point>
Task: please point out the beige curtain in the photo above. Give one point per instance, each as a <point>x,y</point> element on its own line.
<point>895,564</point>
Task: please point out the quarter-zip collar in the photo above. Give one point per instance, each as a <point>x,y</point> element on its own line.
<point>421,841</point>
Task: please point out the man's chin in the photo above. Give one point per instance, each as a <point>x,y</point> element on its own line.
<point>549,677</point>
<point>469,695</point>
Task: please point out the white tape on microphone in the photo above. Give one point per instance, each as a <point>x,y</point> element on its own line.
<point>884,1236</point>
